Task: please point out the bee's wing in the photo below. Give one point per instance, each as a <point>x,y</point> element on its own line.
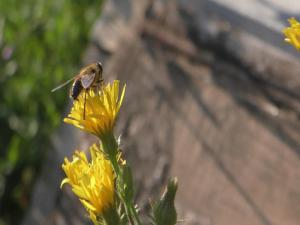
<point>62,85</point>
<point>87,80</point>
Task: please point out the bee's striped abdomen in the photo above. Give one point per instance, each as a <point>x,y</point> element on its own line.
<point>76,89</point>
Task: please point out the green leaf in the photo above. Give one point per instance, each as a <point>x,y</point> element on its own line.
<point>128,183</point>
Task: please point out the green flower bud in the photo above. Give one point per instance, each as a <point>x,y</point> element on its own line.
<point>163,211</point>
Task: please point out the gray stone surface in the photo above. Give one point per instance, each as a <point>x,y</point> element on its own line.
<point>271,13</point>
<point>264,19</point>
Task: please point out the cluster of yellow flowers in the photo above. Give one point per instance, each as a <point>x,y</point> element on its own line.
<point>104,185</point>
<point>94,182</point>
<point>292,33</point>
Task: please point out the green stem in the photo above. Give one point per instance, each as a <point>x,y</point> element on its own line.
<point>134,214</point>
<point>127,210</point>
<point>111,216</point>
<point>117,170</point>
<point>110,147</point>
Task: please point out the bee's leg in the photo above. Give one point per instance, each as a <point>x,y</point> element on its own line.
<point>98,85</point>
<point>84,104</point>
<point>101,84</point>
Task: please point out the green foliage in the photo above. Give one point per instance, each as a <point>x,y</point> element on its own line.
<point>41,45</point>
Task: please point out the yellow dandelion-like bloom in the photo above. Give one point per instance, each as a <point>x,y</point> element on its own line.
<point>101,110</point>
<point>92,182</point>
<point>292,33</point>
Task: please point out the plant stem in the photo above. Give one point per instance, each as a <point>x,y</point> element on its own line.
<point>134,214</point>
<point>110,146</point>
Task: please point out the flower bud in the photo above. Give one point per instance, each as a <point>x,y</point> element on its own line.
<point>163,211</point>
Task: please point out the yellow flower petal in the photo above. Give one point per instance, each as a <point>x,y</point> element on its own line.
<point>93,218</point>
<point>65,181</point>
<point>88,205</point>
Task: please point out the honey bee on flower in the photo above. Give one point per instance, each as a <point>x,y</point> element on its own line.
<point>102,109</point>
<point>87,78</point>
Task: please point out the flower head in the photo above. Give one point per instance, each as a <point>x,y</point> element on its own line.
<point>92,182</point>
<point>292,33</point>
<point>100,108</point>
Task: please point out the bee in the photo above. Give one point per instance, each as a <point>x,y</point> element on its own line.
<point>88,77</point>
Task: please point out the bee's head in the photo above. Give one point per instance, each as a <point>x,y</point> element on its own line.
<point>99,65</point>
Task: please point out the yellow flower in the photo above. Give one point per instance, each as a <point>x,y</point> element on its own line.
<point>92,182</point>
<point>292,33</point>
<point>101,110</point>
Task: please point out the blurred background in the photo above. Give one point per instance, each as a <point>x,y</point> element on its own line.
<point>41,45</point>
<point>212,98</point>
